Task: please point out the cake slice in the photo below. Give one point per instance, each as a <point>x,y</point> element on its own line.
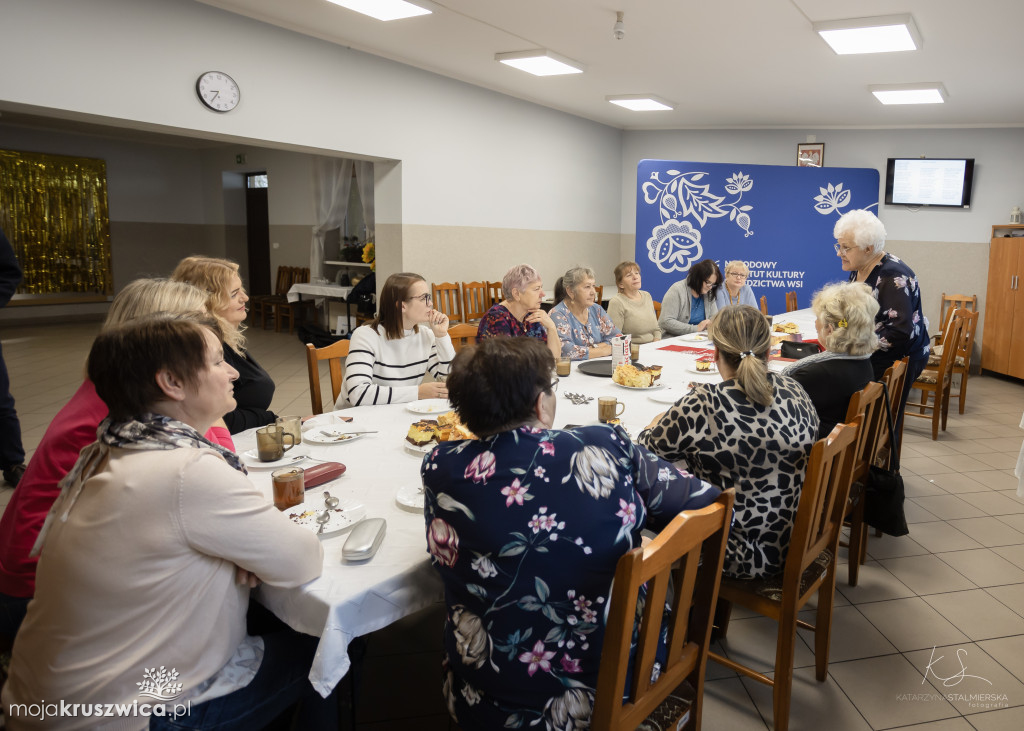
<point>636,376</point>
<point>423,432</point>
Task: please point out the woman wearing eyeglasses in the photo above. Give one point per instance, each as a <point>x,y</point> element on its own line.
<point>689,306</point>
<point>389,357</point>
<point>734,289</point>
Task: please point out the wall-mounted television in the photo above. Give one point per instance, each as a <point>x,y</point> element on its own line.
<point>920,181</point>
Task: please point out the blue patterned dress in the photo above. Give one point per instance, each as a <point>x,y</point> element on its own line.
<point>578,337</point>
<point>526,528</point>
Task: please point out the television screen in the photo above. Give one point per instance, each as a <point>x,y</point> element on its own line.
<point>929,182</point>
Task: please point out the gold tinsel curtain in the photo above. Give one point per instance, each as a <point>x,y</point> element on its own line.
<point>53,209</point>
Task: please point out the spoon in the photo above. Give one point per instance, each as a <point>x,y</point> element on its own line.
<point>322,519</point>
<point>330,501</point>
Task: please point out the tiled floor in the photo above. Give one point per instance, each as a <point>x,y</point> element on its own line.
<point>932,638</point>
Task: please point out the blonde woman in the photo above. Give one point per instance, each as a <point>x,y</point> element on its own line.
<point>734,289</point>
<point>226,300</point>
<point>753,431</point>
<point>73,428</point>
<point>845,321</point>
<point>631,309</point>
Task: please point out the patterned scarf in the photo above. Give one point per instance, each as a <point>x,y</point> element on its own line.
<point>150,431</point>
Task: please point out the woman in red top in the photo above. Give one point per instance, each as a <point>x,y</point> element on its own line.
<point>73,428</point>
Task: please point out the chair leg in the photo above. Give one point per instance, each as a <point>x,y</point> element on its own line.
<point>963,390</point>
<point>782,689</point>
<point>823,625</point>
<point>720,624</point>
<point>936,413</point>
<point>858,536</point>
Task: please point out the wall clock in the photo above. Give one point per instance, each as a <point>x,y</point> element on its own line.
<point>218,91</point>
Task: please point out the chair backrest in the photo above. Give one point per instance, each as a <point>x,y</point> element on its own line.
<point>599,294</point>
<point>764,305</point>
<point>284,280</point>
<point>951,338</point>
<point>462,334</point>
<point>691,549</point>
<point>474,300</point>
<point>657,309</point>
<point>894,378</point>
<point>334,354</point>
<point>866,403</point>
<point>819,515</point>
<point>300,275</point>
<point>447,298</point>
<point>494,294</point>
<point>951,302</point>
<point>791,302</point>
<point>965,346</point>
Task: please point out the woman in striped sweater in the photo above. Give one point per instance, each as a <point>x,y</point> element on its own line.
<point>389,357</point>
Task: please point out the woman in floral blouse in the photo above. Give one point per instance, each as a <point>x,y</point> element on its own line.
<point>520,313</point>
<point>583,326</point>
<point>899,324</point>
<point>526,526</point>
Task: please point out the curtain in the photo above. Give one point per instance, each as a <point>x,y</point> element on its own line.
<point>364,178</point>
<point>332,181</point>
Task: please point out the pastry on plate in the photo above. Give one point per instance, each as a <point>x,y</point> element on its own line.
<point>423,432</point>
<point>706,364</point>
<point>787,327</point>
<point>452,429</point>
<point>636,376</point>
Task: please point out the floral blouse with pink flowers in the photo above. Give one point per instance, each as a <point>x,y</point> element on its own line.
<point>578,337</point>
<point>526,528</point>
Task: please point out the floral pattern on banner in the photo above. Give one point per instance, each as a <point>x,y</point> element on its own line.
<point>900,323</point>
<point>578,337</point>
<point>526,528</point>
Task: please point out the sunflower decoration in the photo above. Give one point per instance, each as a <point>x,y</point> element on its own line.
<point>370,256</point>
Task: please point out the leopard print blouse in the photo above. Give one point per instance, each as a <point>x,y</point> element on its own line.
<point>730,441</point>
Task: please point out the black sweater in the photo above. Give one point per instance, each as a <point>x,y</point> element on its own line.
<point>254,390</point>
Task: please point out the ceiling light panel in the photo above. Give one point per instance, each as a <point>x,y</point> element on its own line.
<point>540,62</point>
<point>383,9</point>
<point>641,102</point>
<point>879,34</point>
<point>929,93</point>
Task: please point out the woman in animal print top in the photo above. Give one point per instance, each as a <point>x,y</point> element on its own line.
<point>753,431</point>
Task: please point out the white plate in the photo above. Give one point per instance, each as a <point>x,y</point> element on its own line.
<point>669,395</point>
<point>411,497</point>
<point>425,449</point>
<point>347,514</point>
<point>430,406</point>
<point>327,421</point>
<point>252,458</point>
<point>712,372</point>
<point>655,387</point>
<point>695,338</point>
<point>331,435</point>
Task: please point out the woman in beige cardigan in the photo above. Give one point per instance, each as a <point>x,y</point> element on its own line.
<point>631,309</point>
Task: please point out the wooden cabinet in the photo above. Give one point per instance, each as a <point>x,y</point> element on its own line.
<point>1002,347</point>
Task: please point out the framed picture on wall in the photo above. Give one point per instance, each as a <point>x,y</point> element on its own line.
<point>810,155</point>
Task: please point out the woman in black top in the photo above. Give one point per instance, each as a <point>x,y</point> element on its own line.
<point>845,321</point>
<point>254,389</point>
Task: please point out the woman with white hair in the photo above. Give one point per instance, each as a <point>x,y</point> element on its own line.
<point>520,313</point>
<point>583,326</point>
<point>845,321</point>
<point>734,289</point>
<point>899,324</point>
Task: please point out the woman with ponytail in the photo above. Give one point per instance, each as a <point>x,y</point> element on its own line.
<point>753,431</point>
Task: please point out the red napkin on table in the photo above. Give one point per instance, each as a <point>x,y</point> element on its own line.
<point>687,349</point>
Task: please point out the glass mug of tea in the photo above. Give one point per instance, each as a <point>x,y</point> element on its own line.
<point>609,408</point>
<point>270,442</point>
<point>634,352</point>
<point>291,425</point>
<point>562,367</point>
<point>289,487</point>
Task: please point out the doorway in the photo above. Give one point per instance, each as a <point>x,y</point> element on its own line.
<point>257,232</point>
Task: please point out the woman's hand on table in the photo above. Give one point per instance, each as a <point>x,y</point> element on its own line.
<point>703,325</point>
<point>601,350</point>
<point>433,389</point>
<point>438,322</point>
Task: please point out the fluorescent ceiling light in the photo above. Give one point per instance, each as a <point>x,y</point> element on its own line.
<point>383,9</point>
<point>641,102</point>
<point>540,62</point>
<point>878,34</point>
<point>928,93</point>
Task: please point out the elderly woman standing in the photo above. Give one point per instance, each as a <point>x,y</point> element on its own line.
<point>690,305</point>
<point>520,313</point>
<point>899,324</point>
<point>149,553</point>
<point>845,321</point>
<point>753,431</point>
<point>631,309</point>
<point>734,289</point>
<point>526,526</point>
<point>583,326</point>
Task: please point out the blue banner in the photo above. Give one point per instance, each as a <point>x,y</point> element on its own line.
<point>778,219</point>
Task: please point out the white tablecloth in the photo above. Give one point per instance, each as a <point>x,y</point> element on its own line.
<point>330,291</point>
<point>350,600</point>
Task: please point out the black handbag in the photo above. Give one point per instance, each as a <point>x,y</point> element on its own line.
<point>884,493</point>
<point>796,351</point>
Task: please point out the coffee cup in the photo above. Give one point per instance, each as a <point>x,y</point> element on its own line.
<point>289,487</point>
<point>634,351</point>
<point>563,366</point>
<point>291,425</point>
<point>270,442</point>
<point>609,408</point>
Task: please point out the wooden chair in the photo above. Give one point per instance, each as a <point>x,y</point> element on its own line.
<point>462,334</point>
<point>936,384</point>
<point>262,306</point>
<point>599,294</point>
<point>474,301</point>
<point>494,294</point>
<point>962,362</point>
<point>657,309</point>
<point>335,355</point>
<point>691,549</point>
<point>764,305</point>
<point>951,302</point>
<point>867,404</point>
<point>447,298</point>
<point>791,302</point>
<point>810,568</point>
<point>300,275</point>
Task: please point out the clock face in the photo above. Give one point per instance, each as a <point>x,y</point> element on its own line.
<point>218,91</point>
